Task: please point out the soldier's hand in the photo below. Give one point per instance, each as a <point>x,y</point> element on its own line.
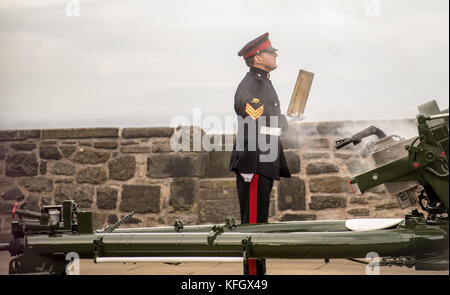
<point>295,117</point>
<point>247,176</point>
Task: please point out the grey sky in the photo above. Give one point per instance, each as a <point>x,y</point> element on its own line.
<point>140,63</point>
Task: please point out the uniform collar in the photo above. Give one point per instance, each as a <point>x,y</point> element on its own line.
<point>259,73</point>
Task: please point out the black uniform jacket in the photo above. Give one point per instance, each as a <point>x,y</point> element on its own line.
<point>256,100</point>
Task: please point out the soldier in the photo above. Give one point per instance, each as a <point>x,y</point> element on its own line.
<point>259,121</point>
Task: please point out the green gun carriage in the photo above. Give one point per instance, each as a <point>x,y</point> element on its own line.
<point>414,170</point>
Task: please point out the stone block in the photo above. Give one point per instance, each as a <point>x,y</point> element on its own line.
<point>132,220</point>
<point>125,143</point>
<point>358,212</point>
<point>32,204</point>
<point>64,180</point>
<point>135,150</point>
<point>177,165</point>
<point>80,133</point>
<point>182,194</point>
<point>161,148</point>
<point>49,152</point>
<point>46,200</point>
<point>358,200</point>
<point>21,164</point>
<point>389,205</point>
<point>109,145</point>
<point>311,156</point>
<point>98,220</point>
<point>147,132</point>
<point>4,182</point>
<point>6,207</point>
<point>291,194</point>
<point>5,237</point>
<point>327,202</point>
<point>289,142</point>
<point>218,165</point>
<point>107,198</point>
<point>213,189</point>
<point>83,195</point>
<point>188,218</point>
<point>122,168</point>
<point>329,184</point>
<point>140,198</point>
<point>11,193</point>
<point>43,167</point>
<point>112,219</point>
<point>293,161</point>
<point>217,200</point>
<point>88,156</point>
<point>321,168</point>
<point>24,146</point>
<point>314,143</point>
<point>93,175</point>
<point>3,150</point>
<point>329,128</point>
<point>272,205</point>
<point>345,157</point>
<point>67,150</point>
<point>12,135</point>
<point>216,211</point>
<point>37,184</point>
<point>380,189</point>
<point>297,217</point>
<point>49,142</point>
<point>62,168</point>
<point>375,197</point>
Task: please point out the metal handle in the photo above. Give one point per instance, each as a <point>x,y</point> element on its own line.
<point>445,174</point>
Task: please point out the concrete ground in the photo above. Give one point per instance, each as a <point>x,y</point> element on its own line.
<point>274,267</point>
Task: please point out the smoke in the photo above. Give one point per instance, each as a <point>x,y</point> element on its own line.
<point>402,128</point>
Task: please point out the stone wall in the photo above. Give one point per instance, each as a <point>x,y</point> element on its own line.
<point>113,171</point>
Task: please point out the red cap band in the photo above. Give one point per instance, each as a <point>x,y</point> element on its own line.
<point>260,47</point>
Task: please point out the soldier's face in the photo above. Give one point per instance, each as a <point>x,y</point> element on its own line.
<point>268,60</point>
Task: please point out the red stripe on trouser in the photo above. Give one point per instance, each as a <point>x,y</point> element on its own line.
<point>253,216</point>
<point>253,199</point>
<point>252,267</point>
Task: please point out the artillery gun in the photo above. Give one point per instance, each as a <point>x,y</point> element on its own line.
<point>44,242</point>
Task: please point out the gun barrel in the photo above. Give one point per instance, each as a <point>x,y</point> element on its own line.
<point>298,245</point>
<point>440,116</point>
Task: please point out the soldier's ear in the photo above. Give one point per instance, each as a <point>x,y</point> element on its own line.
<point>257,59</point>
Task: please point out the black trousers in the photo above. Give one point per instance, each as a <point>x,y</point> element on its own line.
<point>254,201</point>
